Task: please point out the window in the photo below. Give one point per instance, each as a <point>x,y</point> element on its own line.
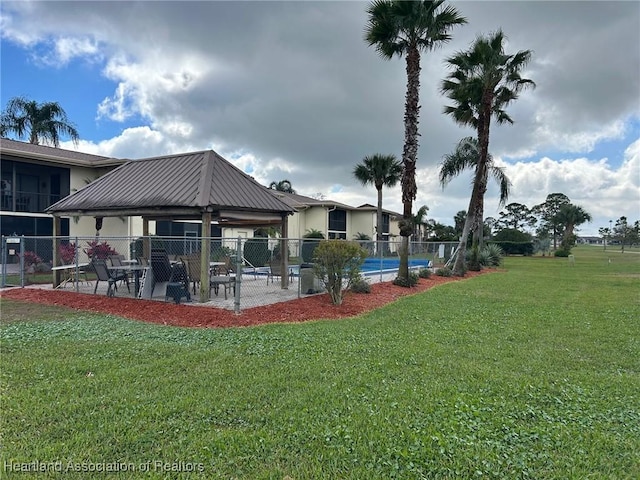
<point>385,224</point>
<point>338,224</point>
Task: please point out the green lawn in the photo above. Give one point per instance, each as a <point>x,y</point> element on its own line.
<point>529,373</point>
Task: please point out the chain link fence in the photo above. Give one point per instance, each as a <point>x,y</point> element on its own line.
<point>242,272</point>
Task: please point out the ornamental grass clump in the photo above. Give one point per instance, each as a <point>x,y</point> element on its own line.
<point>337,264</point>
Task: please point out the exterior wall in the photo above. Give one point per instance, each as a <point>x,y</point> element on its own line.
<point>316,218</point>
<point>86,226</point>
<point>296,224</point>
<point>362,222</point>
<point>357,221</point>
<point>235,232</point>
<point>394,227</point>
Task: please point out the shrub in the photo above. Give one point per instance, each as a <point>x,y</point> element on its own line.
<point>542,245</point>
<point>562,252</point>
<point>67,252</point>
<point>31,259</point>
<point>472,259</point>
<point>99,250</point>
<point>424,273</point>
<point>360,285</point>
<point>256,251</point>
<point>337,261</point>
<point>491,255</point>
<point>409,282</point>
<point>514,242</point>
<point>444,272</point>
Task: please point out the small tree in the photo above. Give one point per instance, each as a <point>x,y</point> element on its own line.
<point>337,265</point>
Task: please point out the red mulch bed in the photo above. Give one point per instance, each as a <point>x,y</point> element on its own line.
<point>184,315</point>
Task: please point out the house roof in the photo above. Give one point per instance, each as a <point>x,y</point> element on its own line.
<point>369,207</point>
<point>179,186</point>
<point>42,153</point>
<point>300,202</point>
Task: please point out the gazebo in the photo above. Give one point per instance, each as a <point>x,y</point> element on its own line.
<point>188,186</point>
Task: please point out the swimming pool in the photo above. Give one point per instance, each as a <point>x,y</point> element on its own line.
<point>371,266</point>
<point>376,265</point>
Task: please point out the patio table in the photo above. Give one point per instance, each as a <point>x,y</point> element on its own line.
<point>70,272</point>
<point>133,268</point>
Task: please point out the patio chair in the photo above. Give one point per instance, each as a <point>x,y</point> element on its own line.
<point>275,270</point>
<point>228,268</point>
<point>104,275</point>
<point>161,268</point>
<point>194,269</point>
<point>116,261</point>
<point>224,277</point>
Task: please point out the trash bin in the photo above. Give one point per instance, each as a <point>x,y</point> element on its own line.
<point>308,282</point>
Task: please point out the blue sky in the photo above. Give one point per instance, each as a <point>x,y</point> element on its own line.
<point>289,90</point>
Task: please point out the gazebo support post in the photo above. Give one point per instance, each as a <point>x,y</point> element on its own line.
<point>205,252</point>
<point>146,241</point>
<point>284,253</point>
<point>57,274</point>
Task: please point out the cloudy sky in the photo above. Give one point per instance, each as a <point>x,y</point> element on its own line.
<point>289,90</point>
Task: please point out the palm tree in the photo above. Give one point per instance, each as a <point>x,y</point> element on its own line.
<point>405,29</point>
<point>38,121</point>
<point>571,216</point>
<point>282,186</point>
<point>485,80</point>
<point>380,171</point>
<point>420,221</point>
<point>466,156</point>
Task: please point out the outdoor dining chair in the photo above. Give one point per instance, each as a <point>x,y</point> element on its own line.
<point>103,274</point>
<point>275,270</point>
<point>116,261</point>
<point>194,269</point>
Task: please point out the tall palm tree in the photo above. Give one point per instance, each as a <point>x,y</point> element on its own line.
<point>282,186</point>
<point>484,81</point>
<point>571,216</point>
<point>38,121</point>
<point>466,156</point>
<point>405,29</point>
<point>380,171</point>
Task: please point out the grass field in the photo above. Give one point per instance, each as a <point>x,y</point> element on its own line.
<point>533,372</point>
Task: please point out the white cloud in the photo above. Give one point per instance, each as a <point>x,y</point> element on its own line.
<point>291,90</point>
<point>68,48</point>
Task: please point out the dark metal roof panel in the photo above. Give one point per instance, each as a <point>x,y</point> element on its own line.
<point>189,180</point>
<point>55,155</point>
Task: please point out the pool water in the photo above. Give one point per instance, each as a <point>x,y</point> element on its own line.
<point>375,265</point>
<point>371,266</point>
